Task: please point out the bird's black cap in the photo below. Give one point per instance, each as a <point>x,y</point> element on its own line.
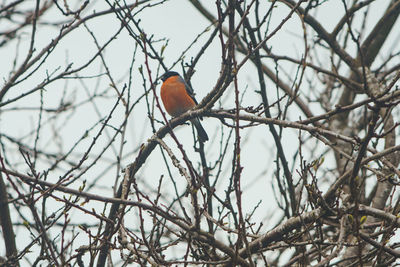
<point>168,74</point>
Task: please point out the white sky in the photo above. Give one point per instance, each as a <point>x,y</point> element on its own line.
<point>180,23</point>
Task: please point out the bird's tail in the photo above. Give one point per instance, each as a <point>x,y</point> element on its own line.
<point>200,130</point>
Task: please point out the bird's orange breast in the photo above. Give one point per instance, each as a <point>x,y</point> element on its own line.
<point>175,98</point>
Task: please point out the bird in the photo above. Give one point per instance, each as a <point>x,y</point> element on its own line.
<point>178,97</point>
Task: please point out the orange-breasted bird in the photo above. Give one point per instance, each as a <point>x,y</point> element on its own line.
<point>178,97</point>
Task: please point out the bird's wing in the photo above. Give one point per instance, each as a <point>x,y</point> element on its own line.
<point>189,90</point>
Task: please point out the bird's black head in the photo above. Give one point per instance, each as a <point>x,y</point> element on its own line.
<point>168,74</point>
